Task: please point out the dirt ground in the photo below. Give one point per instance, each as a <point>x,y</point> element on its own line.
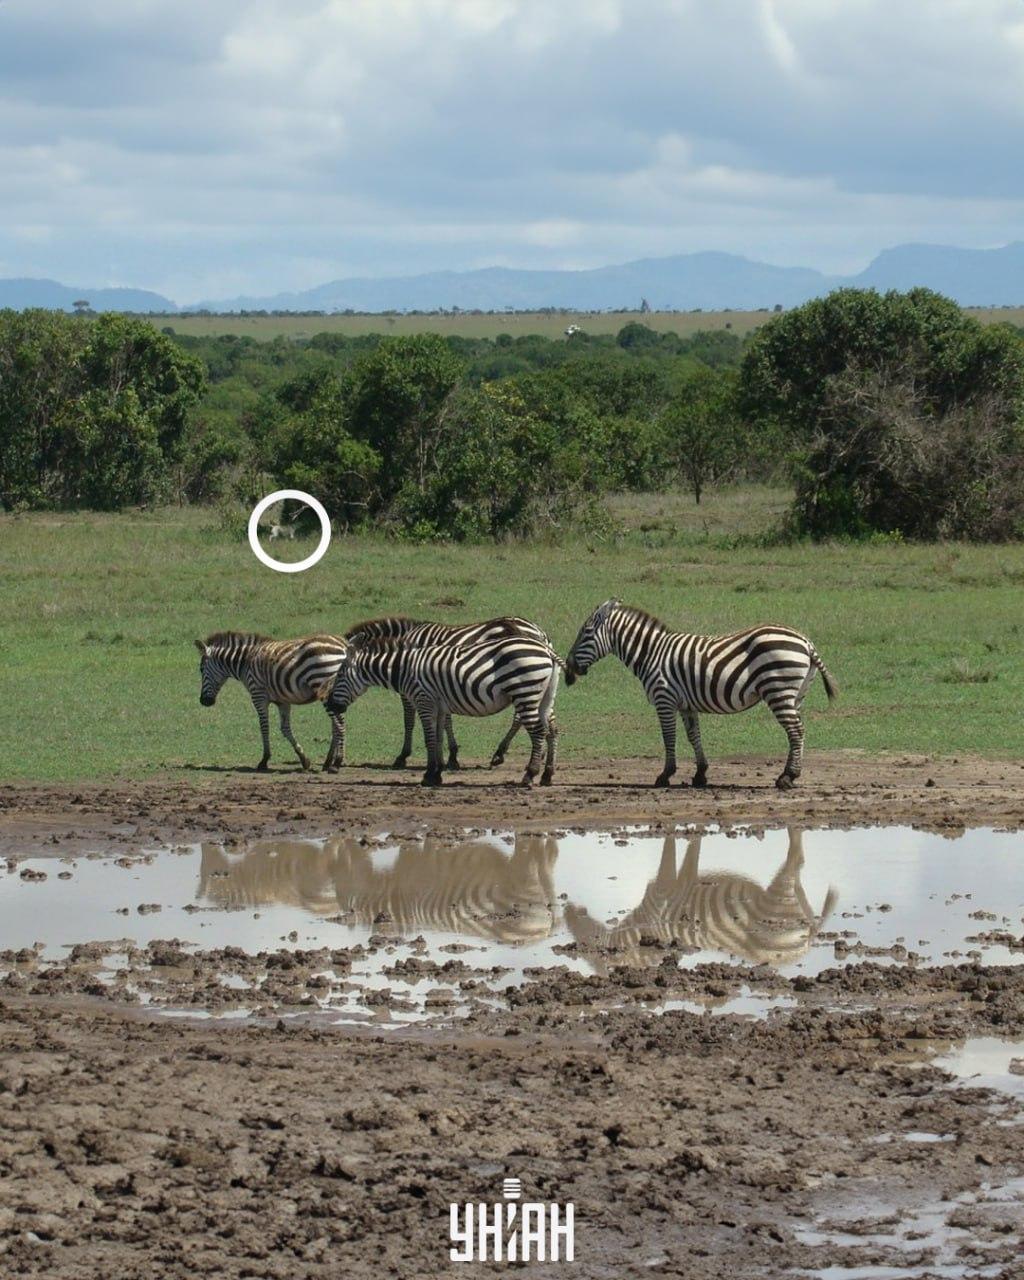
<point>692,1145</point>
<point>840,789</point>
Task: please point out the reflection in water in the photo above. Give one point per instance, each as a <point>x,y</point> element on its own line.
<point>717,911</point>
<point>473,889</point>
<point>478,890</point>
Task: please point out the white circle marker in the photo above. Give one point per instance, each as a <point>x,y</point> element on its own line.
<point>285,566</point>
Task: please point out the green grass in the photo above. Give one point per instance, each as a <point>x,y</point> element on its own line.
<point>517,324</point>
<point>99,612</point>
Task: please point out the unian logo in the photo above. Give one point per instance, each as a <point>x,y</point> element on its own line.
<point>509,1232</point>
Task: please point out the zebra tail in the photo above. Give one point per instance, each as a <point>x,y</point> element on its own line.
<point>827,679</point>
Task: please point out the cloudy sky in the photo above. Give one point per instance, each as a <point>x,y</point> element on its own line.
<point>206,148</point>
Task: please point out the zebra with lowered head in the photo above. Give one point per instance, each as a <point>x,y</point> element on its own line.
<point>467,680</point>
<point>285,672</point>
<point>418,635</point>
<point>688,674</point>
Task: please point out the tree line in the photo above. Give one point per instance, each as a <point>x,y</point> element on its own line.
<point>892,413</point>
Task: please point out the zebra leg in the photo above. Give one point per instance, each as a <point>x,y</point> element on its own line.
<point>665,706</point>
<point>453,746</point>
<point>692,726</point>
<point>261,711</point>
<point>409,717</point>
<point>549,763</point>
<point>285,712</point>
<point>432,720</point>
<point>786,709</point>
<point>503,745</point>
<point>336,751</point>
<point>538,731</point>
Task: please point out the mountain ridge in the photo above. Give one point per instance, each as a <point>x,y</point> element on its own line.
<point>708,280</point>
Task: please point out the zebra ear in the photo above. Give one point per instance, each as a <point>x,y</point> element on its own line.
<point>603,610</point>
<point>200,646</point>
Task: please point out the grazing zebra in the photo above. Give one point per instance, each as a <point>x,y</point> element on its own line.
<point>688,674</point>
<point>418,635</point>
<point>713,911</point>
<point>474,680</point>
<point>285,672</point>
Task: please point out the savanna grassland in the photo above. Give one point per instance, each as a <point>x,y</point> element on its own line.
<point>517,324</point>
<point>100,611</point>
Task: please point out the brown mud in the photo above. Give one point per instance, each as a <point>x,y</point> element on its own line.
<point>692,1144</point>
<point>697,1146</point>
<point>842,789</point>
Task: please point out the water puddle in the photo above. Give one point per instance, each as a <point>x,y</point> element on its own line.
<point>987,1062</point>
<point>430,927</point>
<point>934,1230</point>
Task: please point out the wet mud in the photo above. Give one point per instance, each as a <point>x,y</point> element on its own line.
<point>842,789</point>
<point>268,1037</point>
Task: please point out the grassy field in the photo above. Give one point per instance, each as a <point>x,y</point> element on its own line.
<point>519,324</point>
<point>99,613</point>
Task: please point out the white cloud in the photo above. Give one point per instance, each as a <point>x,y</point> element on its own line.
<point>276,144</point>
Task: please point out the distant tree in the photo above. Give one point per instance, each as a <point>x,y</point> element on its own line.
<point>635,336</point>
<point>703,437</point>
<point>786,370</point>
<point>81,306</point>
<point>395,397</point>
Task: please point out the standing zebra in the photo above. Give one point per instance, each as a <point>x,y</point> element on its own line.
<point>688,674</point>
<point>418,635</point>
<point>285,672</point>
<point>474,680</point>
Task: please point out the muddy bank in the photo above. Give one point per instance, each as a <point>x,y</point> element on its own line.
<point>837,789</point>
<point>695,1146</point>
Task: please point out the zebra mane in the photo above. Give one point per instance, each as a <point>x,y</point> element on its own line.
<point>221,639</point>
<point>381,625</point>
<point>632,612</point>
<point>375,644</point>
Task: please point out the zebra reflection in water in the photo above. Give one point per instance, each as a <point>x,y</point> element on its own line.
<point>473,890</point>
<point>715,911</point>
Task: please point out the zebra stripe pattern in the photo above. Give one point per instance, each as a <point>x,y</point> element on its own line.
<point>418,635</point>
<point>715,911</point>
<point>688,674</point>
<point>475,680</point>
<point>284,672</point>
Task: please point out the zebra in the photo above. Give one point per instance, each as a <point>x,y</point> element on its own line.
<point>285,672</point>
<point>713,911</point>
<point>417,634</point>
<point>474,680</point>
<point>689,674</point>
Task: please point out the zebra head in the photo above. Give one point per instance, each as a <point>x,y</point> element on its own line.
<point>593,642</point>
<point>349,682</point>
<point>213,671</point>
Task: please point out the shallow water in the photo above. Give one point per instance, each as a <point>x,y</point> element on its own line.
<point>798,901</point>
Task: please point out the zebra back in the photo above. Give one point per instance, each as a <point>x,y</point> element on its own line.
<point>419,634</point>
<point>289,671</point>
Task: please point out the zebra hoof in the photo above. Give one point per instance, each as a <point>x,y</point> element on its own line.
<point>497,760</point>
<point>527,780</point>
<point>785,782</point>
<point>453,763</point>
<point>331,768</point>
<point>306,765</point>
<point>545,778</point>
<point>262,767</point>
<point>699,780</point>
<point>431,780</point>
<point>661,780</point>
